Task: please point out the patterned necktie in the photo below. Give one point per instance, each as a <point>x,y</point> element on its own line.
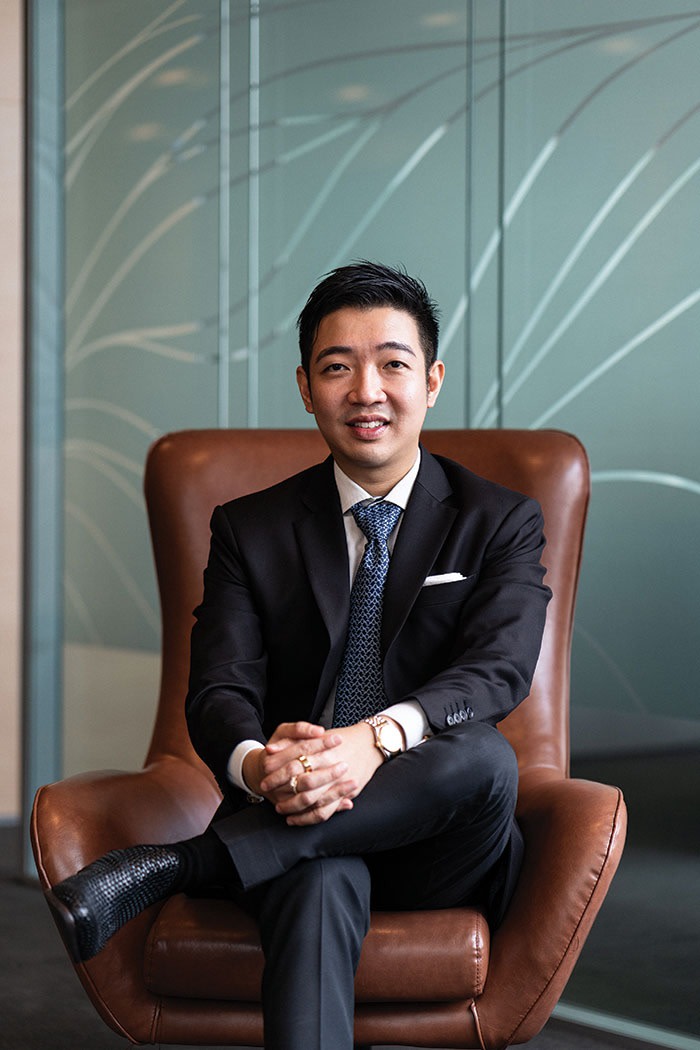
<point>360,688</point>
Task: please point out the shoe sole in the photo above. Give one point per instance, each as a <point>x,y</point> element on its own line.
<point>65,921</point>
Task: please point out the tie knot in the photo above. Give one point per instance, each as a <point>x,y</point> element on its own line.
<point>376,519</point>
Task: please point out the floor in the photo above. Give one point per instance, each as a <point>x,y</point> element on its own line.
<point>642,958</point>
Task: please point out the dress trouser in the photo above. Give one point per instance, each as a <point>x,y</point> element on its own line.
<point>434,828</point>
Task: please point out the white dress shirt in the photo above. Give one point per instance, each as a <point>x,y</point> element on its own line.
<point>409,714</point>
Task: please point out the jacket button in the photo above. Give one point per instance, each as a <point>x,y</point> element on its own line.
<point>450,720</point>
<point>470,712</point>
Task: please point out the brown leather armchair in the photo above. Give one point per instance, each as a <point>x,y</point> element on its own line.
<point>189,971</point>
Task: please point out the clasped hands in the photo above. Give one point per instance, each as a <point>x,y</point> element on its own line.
<point>339,763</point>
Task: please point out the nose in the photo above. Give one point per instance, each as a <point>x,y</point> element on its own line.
<point>367,387</point>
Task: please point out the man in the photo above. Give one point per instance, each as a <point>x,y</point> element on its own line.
<point>364,626</point>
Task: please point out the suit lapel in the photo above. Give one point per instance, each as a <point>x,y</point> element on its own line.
<point>321,536</point>
<point>427,521</point>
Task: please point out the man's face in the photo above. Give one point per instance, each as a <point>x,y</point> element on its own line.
<point>367,388</point>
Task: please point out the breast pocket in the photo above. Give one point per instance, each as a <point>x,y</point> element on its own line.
<point>446,593</point>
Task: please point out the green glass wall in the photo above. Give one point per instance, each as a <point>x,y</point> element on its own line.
<point>536,163</point>
<point>601,307</point>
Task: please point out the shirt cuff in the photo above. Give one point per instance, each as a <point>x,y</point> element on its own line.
<point>411,717</point>
<point>235,764</point>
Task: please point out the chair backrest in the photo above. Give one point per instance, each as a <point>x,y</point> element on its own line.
<point>190,472</point>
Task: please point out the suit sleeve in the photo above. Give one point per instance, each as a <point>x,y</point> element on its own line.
<point>496,630</point>
<point>228,668</point>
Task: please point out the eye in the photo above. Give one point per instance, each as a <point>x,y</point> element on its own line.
<point>335,366</point>
<point>396,365</point>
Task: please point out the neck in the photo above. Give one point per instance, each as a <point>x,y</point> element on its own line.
<point>376,482</point>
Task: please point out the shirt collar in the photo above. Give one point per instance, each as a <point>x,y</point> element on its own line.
<point>351,493</point>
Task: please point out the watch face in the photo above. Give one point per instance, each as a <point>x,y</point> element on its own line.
<point>390,737</point>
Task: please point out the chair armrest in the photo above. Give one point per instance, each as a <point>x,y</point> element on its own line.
<point>80,818</point>
<point>574,833</point>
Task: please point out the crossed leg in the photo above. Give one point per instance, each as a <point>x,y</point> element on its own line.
<point>312,921</point>
<point>429,831</point>
<point>459,787</point>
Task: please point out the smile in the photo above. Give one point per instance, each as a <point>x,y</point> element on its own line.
<point>368,429</point>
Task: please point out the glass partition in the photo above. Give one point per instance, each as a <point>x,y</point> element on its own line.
<point>142,213</point>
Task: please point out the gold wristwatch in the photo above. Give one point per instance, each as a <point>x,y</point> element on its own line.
<point>387,735</point>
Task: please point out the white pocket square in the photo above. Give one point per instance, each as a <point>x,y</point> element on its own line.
<point>444,577</point>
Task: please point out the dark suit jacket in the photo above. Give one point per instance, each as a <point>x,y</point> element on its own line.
<point>270,631</point>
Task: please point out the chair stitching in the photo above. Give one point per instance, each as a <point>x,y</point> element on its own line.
<point>155,1020</point>
<point>477,1025</point>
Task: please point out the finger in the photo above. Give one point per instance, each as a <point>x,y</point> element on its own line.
<point>317,816</point>
<point>277,769</point>
<point>308,782</point>
<point>344,791</point>
<point>317,799</point>
<point>307,746</point>
<point>281,765</point>
<point>308,799</point>
<point>288,750</point>
<point>313,743</point>
<point>287,732</point>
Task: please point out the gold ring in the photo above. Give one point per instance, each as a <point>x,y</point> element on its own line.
<point>308,768</point>
<point>293,784</point>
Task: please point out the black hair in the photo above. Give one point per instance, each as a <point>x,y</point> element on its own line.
<point>364,285</point>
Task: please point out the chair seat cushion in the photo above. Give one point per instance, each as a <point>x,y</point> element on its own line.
<point>210,949</point>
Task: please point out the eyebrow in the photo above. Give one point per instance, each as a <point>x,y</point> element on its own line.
<point>389,345</point>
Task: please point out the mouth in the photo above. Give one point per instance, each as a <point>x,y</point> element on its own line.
<point>368,428</point>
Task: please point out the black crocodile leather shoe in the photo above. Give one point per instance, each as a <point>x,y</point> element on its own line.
<point>90,906</point>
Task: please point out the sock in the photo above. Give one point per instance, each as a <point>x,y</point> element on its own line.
<point>204,862</point>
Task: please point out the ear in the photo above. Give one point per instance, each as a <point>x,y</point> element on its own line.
<point>436,374</point>
<point>305,389</point>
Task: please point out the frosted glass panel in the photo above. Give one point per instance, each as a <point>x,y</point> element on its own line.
<point>141,201</point>
<point>362,154</point>
<point>142,319</point>
<point>602,301</point>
